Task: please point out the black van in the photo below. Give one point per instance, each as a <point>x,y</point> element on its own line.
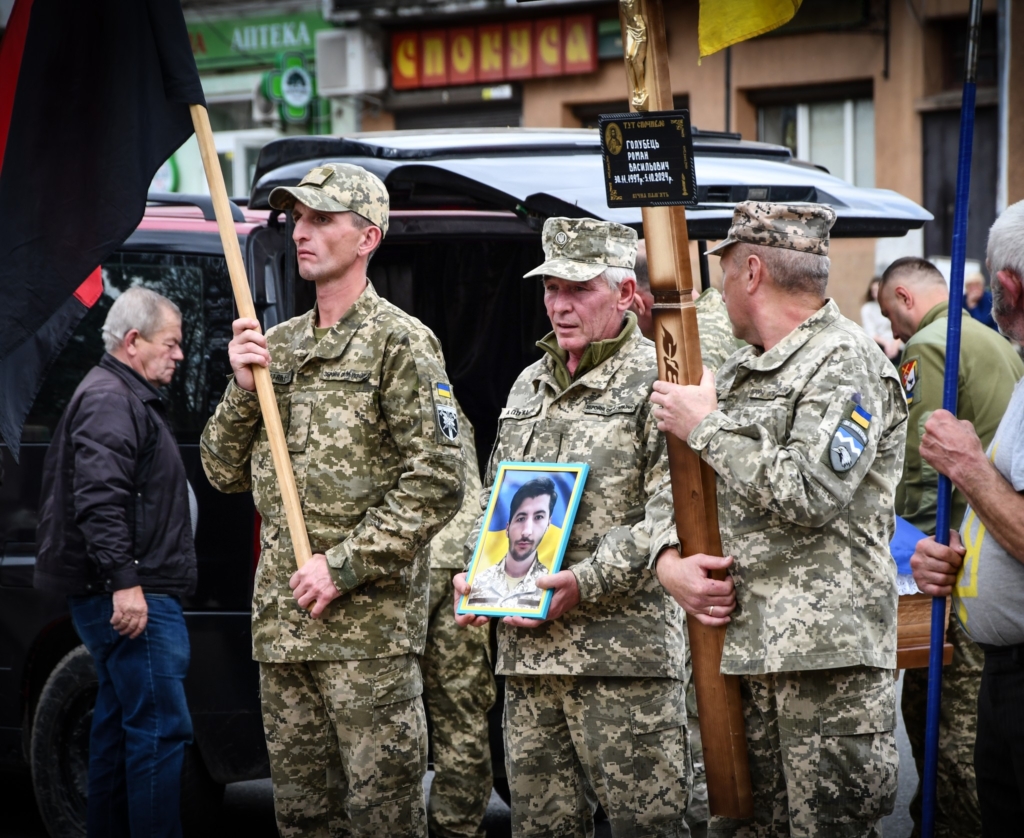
<point>467,209</point>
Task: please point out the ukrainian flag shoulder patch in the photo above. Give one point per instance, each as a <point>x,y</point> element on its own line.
<point>443,390</point>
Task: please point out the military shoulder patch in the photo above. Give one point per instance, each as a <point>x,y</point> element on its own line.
<point>444,410</point>
<point>908,377</point>
<point>849,439</point>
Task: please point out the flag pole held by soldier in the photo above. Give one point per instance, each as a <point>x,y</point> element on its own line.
<point>677,342</point>
<point>243,301</point>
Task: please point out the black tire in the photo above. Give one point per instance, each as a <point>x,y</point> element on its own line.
<point>59,748</point>
<point>59,755</point>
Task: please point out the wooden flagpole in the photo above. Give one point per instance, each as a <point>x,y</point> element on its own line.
<point>693,482</point>
<point>243,300</point>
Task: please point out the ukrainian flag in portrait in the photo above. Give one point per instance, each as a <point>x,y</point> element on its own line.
<point>495,543</point>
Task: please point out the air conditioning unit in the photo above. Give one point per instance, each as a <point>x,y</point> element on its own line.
<point>348,62</point>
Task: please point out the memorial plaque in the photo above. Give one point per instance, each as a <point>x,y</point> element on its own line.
<point>648,159</point>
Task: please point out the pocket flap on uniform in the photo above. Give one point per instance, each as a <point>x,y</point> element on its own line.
<point>351,376</point>
<point>868,711</point>
<point>665,712</point>
<point>609,409</point>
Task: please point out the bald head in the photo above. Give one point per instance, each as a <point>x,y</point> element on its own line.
<point>911,287</point>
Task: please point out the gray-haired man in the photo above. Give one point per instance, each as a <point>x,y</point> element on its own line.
<point>806,433</point>
<point>115,535</point>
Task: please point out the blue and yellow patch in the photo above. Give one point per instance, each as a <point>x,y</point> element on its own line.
<point>861,417</point>
<point>849,438</point>
<point>443,390</point>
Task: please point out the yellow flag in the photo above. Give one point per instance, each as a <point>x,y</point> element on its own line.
<point>726,22</point>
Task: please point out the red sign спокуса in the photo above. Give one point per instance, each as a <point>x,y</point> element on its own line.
<point>494,53</point>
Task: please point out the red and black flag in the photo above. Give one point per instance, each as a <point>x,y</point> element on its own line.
<point>94,98</point>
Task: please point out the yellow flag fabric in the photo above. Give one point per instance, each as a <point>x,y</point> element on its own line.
<point>726,22</point>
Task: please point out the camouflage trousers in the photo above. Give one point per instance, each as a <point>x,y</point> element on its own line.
<point>348,747</point>
<point>822,751</point>
<point>957,813</point>
<point>697,810</point>
<point>574,741</point>
<point>458,689</point>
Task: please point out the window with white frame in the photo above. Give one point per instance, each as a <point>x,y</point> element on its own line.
<point>838,134</point>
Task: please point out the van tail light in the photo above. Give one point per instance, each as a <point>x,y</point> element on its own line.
<point>256,545</point>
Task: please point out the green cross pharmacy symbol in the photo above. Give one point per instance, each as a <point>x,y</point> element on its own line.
<point>292,86</point>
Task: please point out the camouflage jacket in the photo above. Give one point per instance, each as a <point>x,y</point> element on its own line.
<point>989,369</point>
<point>625,624</point>
<point>445,551</point>
<point>717,342</point>
<point>376,475</point>
<point>808,444</point>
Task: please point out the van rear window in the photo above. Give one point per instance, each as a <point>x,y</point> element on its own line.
<point>201,288</point>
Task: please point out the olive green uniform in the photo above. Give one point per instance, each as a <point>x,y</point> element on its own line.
<point>989,369</point>
<point>379,468</point>
<point>458,685</point>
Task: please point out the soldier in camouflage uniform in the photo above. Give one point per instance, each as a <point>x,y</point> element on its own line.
<point>806,433</point>
<point>595,695</point>
<point>717,343</point>
<point>458,687</point>
<point>374,445</point>
<point>914,297</point>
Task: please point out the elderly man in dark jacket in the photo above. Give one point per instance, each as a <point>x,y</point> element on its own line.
<point>115,536</point>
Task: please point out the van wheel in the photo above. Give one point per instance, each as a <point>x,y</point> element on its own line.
<point>59,748</point>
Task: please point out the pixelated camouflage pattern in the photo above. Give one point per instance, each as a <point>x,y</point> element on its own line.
<point>446,549</point>
<point>571,742</point>
<point>347,742</point>
<point>338,187</point>
<point>798,226</point>
<point>815,583</point>
<point>459,691</point>
<point>697,810</point>
<point>579,249</point>
<point>376,477</point>
<point>989,370</point>
<point>626,624</point>
<point>823,757</point>
<point>717,342</point>
<point>957,813</point>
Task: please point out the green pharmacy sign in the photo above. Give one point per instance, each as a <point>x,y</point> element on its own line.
<point>293,87</point>
<point>245,42</point>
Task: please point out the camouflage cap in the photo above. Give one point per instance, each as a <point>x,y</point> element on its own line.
<point>338,187</point>
<point>579,249</point>
<point>801,227</point>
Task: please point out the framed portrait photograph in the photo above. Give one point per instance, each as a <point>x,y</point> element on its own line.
<point>524,536</point>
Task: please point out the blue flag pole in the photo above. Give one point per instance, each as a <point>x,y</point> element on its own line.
<point>949,393</point>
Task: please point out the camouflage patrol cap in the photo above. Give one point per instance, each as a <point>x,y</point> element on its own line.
<point>338,187</point>
<point>802,227</point>
<point>579,249</point>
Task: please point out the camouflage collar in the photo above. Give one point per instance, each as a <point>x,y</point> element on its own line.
<point>934,313</point>
<point>592,363</point>
<point>791,343</point>
<point>333,344</point>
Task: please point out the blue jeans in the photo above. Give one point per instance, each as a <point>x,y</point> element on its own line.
<point>141,724</point>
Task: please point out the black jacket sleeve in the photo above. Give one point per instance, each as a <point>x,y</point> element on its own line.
<point>106,440</point>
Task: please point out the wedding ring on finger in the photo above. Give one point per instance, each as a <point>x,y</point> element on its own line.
<point>711,611</point>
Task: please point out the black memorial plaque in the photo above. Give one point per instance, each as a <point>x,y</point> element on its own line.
<point>648,159</point>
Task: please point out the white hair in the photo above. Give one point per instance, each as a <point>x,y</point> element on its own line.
<point>792,270</point>
<point>1006,242</point>
<point>1006,253</point>
<point>615,276</point>
<point>137,308</point>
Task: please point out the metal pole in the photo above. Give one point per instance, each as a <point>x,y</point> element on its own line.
<point>949,394</point>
